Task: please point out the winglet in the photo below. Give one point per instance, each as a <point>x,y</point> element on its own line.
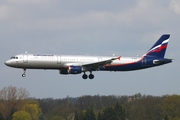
<point>116,58</point>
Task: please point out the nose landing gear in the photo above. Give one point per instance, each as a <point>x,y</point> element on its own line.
<point>24,74</point>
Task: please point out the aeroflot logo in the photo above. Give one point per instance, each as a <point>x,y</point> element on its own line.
<point>163,45</point>
<point>42,55</point>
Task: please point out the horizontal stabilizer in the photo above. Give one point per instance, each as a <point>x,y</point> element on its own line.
<point>158,62</point>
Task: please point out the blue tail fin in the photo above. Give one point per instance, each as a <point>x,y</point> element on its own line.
<point>159,48</point>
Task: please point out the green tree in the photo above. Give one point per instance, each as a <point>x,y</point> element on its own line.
<point>70,116</point>
<point>56,118</point>
<point>41,117</point>
<point>1,117</point>
<point>100,116</point>
<point>166,117</point>
<point>171,107</point>
<point>82,115</point>
<point>76,116</point>
<point>109,114</point>
<point>33,109</point>
<point>90,114</point>
<point>120,111</point>
<point>146,108</point>
<point>21,115</point>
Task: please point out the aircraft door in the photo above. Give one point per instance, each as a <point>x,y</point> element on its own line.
<point>58,59</point>
<point>144,61</point>
<point>25,58</point>
<point>99,59</point>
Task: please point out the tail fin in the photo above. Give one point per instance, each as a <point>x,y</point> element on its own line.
<point>159,48</point>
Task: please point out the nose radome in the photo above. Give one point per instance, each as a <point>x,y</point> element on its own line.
<point>7,63</point>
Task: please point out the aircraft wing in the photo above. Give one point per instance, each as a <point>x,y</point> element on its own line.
<point>94,66</point>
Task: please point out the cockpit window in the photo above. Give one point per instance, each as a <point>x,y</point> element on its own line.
<point>14,57</point>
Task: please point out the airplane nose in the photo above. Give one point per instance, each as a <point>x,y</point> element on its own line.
<point>8,63</point>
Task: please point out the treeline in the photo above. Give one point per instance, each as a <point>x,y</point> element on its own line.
<point>136,107</point>
<point>15,105</point>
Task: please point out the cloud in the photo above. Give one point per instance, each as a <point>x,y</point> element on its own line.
<point>38,15</point>
<point>91,18</point>
<point>4,10</point>
<point>27,1</point>
<point>141,13</point>
<point>175,6</point>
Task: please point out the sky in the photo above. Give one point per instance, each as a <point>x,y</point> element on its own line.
<point>103,27</point>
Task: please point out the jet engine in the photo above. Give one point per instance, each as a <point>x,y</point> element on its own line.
<point>71,70</point>
<point>74,69</point>
<point>63,71</point>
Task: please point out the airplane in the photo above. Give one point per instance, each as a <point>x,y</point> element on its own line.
<point>77,64</point>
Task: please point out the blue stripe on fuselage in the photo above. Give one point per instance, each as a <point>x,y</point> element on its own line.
<point>146,62</point>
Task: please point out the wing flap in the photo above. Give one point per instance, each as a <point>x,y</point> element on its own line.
<point>95,65</point>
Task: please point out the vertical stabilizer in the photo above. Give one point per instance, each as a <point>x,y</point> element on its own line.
<point>159,48</point>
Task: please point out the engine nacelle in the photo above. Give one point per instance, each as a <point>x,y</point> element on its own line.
<point>63,71</point>
<point>74,69</point>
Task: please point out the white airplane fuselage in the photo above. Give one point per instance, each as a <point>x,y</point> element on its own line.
<point>49,61</point>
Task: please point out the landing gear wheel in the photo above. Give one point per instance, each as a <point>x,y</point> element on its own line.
<point>84,76</point>
<point>91,76</point>
<point>23,75</point>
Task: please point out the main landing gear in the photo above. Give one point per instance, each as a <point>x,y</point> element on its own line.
<point>91,76</point>
<point>24,74</point>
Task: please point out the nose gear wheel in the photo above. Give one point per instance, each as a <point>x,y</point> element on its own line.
<point>24,74</point>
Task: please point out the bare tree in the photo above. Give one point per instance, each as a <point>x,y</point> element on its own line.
<point>11,99</point>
